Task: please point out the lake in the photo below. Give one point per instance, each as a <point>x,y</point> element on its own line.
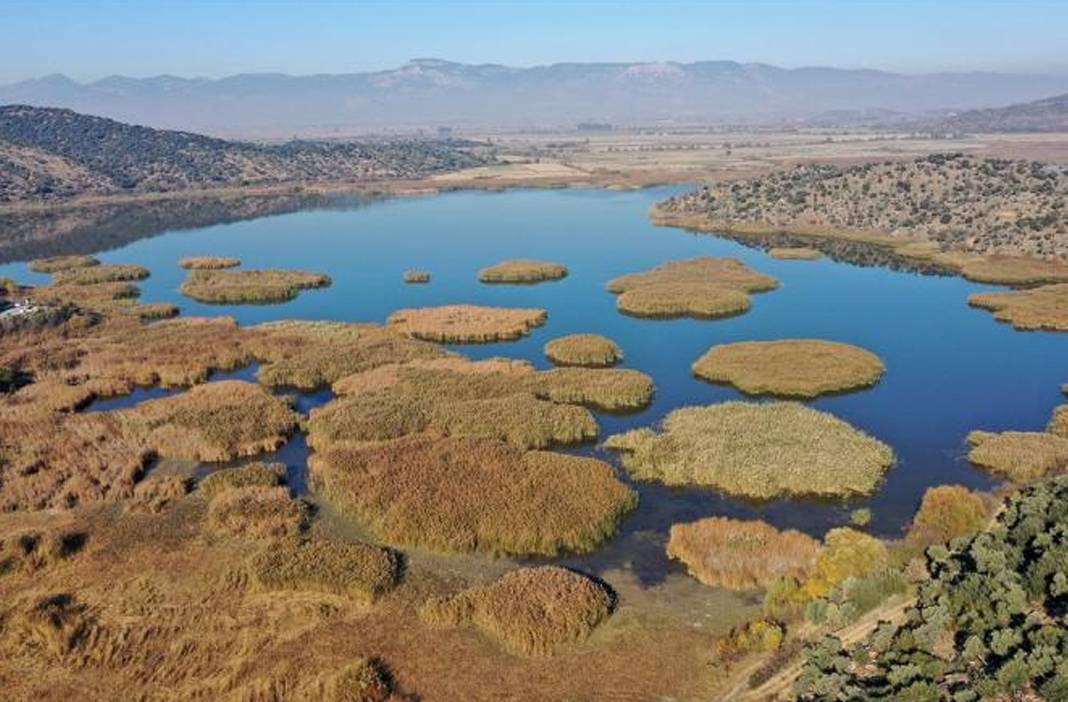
<point>950,368</point>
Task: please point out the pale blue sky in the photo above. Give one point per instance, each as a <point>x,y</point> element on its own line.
<point>89,40</point>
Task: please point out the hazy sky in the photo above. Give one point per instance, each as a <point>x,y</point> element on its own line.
<point>88,40</point>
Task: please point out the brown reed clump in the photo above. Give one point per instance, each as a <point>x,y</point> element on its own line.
<point>416,277</point>
<point>611,389</point>
<point>32,550</point>
<point>1015,270</point>
<point>361,571</point>
<point>1042,308</point>
<point>741,555</point>
<point>466,324</point>
<point>790,367</point>
<point>760,451</point>
<point>211,263</point>
<point>795,253</point>
<point>454,368</point>
<point>1018,455</point>
<point>308,355</point>
<point>104,273</point>
<point>217,421</point>
<point>62,263</point>
<point>529,611</point>
<point>685,299</point>
<point>241,287</point>
<point>1058,423</point>
<point>257,512</point>
<point>522,271</point>
<point>462,494</point>
<point>946,513</point>
<point>361,681</point>
<point>727,273</point>
<point>155,493</point>
<point>257,474</point>
<point>589,350</point>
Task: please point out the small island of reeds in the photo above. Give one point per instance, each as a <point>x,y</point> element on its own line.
<point>208,263</point>
<point>242,287</point>
<point>416,277</point>
<point>803,368</point>
<point>522,271</point>
<point>62,263</point>
<point>588,350</point>
<point>761,451</point>
<point>466,324</point>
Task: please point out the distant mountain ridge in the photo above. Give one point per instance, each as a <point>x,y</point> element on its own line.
<point>433,92</point>
<point>1047,115</point>
<point>51,152</point>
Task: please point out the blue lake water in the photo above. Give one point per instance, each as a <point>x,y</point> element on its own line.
<point>950,368</point>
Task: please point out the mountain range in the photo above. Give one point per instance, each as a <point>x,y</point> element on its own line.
<point>1046,115</point>
<point>430,93</point>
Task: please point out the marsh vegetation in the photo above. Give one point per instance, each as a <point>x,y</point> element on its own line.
<point>241,287</point>
<point>466,324</point>
<point>590,350</point>
<point>700,287</point>
<point>208,262</point>
<point>522,271</point>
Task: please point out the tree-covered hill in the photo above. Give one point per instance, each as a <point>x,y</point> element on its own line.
<point>48,153</point>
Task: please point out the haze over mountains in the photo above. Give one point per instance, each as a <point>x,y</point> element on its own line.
<point>431,92</point>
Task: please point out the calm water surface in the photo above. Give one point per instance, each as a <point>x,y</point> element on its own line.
<point>950,368</point>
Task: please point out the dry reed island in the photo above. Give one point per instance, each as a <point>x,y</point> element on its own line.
<point>156,552</point>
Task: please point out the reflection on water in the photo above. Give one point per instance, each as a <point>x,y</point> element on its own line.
<point>950,368</point>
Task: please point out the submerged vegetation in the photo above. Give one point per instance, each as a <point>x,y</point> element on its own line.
<point>761,451</point>
<point>1042,308</point>
<point>208,262</point>
<point>791,367</point>
<point>530,611</point>
<point>240,287</point>
<point>461,494</point>
<point>590,350</point>
<point>522,271</point>
<point>699,287</point>
<point>466,324</point>
<point>724,552</point>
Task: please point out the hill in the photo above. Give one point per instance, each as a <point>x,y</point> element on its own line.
<point>49,153</point>
<point>1047,115</point>
<point>433,92</point>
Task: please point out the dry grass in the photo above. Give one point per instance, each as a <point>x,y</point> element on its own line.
<point>725,272</point>
<point>589,350</point>
<point>104,273</point>
<point>522,271</point>
<point>416,276</point>
<point>217,421</point>
<point>156,493</point>
<point>239,287</point>
<point>361,681</point>
<point>257,512</point>
<point>1042,308</point>
<point>211,263</point>
<point>1015,270</point>
<point>741,555</point>
<point>795,253</point>
<point>685,299</point>
<point>1058,423</point>
<point>252,475</point>
<point>760,451</point>
<point>947,512</point>
<point>309,355</point>
<point>357,570</point>
<point>611,389</point>
<point>466,324</point>
<point>790,367</point>
<point>61,263</point>
<point>530,611</point>
<point>1018,455</point>
<point>461,494</point>
<point>33,550</point>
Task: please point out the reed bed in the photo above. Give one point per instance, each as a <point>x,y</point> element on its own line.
<point>1018,455</point>
<point>155,493</point>
<point>802,368</point>
<point>416,277</point>
<point>257,512</point>
<point>466,324</point>
<point>310,355</point>
<point>726,272</point>
<point>103,273</point>
<point>463,494</point>
<point>361,681</point>
<point>32,550</point>
<point>684,299</point>
<point>404,375</point>
<point>209,263</point>
<point>760,451</point>
<point>795,253</point>
<point>1058,423</point>
<point>1014,270</point>
<point>1036,309</point>
<point>946,513</point>
<point>522,271</point>
<point>249,287</point>
<point>587,350</point>
<point>741,555</point>
<point>257,474</point>
<point>530,611</point>
<point>610,389</point>
<point>55,264</point>
<point>357,570</point>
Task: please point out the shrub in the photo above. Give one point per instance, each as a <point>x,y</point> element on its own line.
<point>860,517</point>
<point>946,513</point>
<point>756,450</point>
<point>530,611</point>
<point>846,553</point>
<point>591,350</point>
